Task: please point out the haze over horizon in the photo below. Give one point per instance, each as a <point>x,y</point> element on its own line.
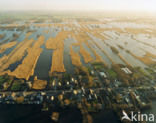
<point>89,5</point>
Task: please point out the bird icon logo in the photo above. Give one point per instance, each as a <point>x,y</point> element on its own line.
<point>125,116</point>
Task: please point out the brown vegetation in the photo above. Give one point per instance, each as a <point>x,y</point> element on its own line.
<point>146,59</point>
<point>7,46</point>
<point>98,35</point>
<point>2,36</point>
<point>123,59</point>
<point>19,99</point>
<point>114,50</point>
<point>15,55</point>
<point>120,47</point>
<point>75,57</point>
<point>57,61</point>
<point>138,31</point>
<point>86,56</point>
<point>39,84</point>
<point>26,69</point>
<point>82,38</point>
<point>57,45</point>
<point>98,58</point>
<point>103,51</point>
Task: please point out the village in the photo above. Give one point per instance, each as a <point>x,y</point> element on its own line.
<point>90,89</point>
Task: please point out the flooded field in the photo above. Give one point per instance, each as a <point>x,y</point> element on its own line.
<point>60,47</point>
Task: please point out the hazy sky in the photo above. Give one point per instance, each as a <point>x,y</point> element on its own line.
<point>145,5</point>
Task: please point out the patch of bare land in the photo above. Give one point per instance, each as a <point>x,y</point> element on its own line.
<point>7,46</point>
<point>57,44</point>
<point>75,57</point>
<point>26,69</point>
<point>16,55</point>
<point>39,84</point>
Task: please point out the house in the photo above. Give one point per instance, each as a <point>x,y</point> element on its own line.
<point>92,72</point>
<point>55,116</point>
<point>67,83</point>
<point>102,74</point>
<point>52,98</point>
<point>75,92</point>
<point>126,70</point>
<point>130,72</point>
<point>72,79</point>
